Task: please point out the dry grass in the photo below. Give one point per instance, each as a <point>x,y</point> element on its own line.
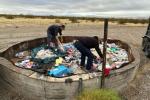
<point>40,21</point>
<point>25,21</point>
<point>99,94</point>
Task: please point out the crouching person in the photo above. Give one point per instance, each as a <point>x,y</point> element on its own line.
<point>84,44</point>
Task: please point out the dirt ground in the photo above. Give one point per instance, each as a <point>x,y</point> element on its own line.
<point>138,89</point>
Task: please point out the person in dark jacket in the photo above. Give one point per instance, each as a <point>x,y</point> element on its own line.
<point>52,35</point>
<point>84,44</point>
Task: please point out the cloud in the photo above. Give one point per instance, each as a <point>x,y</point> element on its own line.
<point>105,8</point>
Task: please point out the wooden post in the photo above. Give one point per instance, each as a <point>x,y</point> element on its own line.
<point>104,53</point>
<point>80,88</point>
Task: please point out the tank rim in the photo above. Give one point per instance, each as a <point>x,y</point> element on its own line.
<point>6,62</point>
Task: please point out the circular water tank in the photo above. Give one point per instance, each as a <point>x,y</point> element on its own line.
<point>34,86</point>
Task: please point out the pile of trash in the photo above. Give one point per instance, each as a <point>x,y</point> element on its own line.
<point>116,57</point>
<point>54,63</point>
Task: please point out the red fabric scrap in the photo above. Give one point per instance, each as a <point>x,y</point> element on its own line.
<point>106,71</point>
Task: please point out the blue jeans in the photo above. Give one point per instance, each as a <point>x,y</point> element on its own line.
<point>52,40</point>
<point>85,52</point>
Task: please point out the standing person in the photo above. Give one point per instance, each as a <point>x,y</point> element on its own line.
<point>52,35</point>
<point>84,44</point>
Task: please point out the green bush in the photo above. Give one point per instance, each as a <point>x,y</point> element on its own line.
<point>98,94</point>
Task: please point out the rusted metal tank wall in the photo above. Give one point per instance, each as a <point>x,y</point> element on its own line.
<point>36,89</point>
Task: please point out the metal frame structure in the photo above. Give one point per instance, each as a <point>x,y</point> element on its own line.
<point>146,41</point>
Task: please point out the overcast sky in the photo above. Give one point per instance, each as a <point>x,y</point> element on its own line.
<point>102,8</point>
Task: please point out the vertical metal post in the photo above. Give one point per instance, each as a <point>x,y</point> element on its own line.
<point>104,53</point>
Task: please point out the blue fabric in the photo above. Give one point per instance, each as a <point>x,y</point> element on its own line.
<point>44,61</point>
<point>59,71</point>
<point>68,46</point>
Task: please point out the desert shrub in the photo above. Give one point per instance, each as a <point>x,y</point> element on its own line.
<point>73,20</point>
<point>9,17</point>
<point>57,21</point>
<point>143,21</point>
<point>30,16</point>
<point>135,22</point>
<point>122,21</point>
<point>98,94</point>
<point>93,19</point>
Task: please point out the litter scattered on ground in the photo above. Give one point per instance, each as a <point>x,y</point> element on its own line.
<point>54,63</point>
